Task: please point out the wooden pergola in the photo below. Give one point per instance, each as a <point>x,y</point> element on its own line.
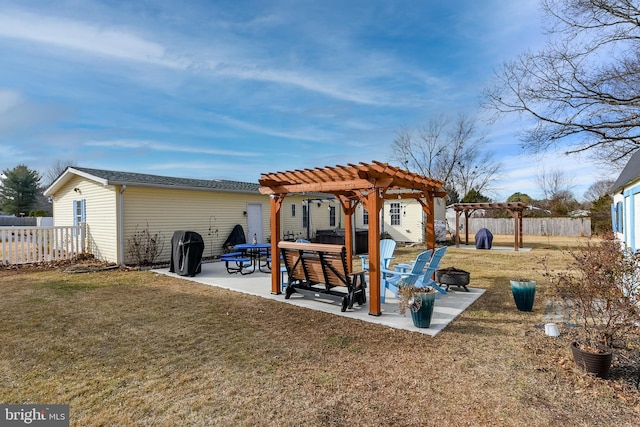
<point>514,208</point>
<point>366,183</point>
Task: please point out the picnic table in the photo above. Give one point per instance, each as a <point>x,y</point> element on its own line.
<point>247,257</point>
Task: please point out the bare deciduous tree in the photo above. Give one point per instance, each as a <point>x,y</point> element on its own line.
<point>598,189</point>
<point>56,169</point>
<point>452,152</point>
<point>556,187</point>
<point>583,88</point>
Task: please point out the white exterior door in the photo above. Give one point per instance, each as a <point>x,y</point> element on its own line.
<point>254,222</point>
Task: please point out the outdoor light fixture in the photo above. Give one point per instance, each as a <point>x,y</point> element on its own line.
<point>77,190</point>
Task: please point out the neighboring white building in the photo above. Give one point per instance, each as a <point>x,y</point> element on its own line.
<point>404,220</point>
<point>625,210</point>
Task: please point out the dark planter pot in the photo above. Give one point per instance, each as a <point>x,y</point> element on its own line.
<point>422,317</point>
<point>598,364</point>
<point>524,293</point>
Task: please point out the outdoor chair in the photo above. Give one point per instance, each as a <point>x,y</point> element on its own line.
<point>387,246</point>
<point>430,269</point>
<point>393,279</point>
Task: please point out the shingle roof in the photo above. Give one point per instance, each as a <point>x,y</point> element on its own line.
<point>630,173</point>
<point>140,179</point>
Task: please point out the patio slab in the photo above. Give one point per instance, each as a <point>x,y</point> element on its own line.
<point>447,307</point>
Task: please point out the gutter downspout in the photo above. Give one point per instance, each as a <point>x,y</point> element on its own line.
<point>121,224</point>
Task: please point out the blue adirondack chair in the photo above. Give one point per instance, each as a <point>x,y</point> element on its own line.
<point>387,246</point>
<point>430,269</point>
<point>392,279</point>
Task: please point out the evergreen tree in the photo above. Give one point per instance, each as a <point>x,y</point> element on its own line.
<point>19,190</point>
<point>474,196</point>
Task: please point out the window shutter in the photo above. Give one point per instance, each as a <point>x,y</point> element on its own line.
<point>83,207</point>
<point>75,212</point>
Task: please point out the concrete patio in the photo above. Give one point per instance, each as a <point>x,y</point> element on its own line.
<point>447,307</point>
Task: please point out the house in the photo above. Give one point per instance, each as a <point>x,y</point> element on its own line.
<point>117,207</point>
<point>404,220</point>
<point>625,210</point>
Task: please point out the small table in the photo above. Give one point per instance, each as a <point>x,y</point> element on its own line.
<point>255,252</point>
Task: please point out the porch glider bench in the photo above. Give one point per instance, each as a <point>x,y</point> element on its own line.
<point>316,270</point>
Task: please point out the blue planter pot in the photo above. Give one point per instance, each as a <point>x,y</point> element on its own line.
<point>422,317</point>
<point>524,293</point>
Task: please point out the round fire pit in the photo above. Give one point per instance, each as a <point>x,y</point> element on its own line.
<point>453,277</point>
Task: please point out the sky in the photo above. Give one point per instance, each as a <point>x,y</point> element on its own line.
<point>233,89</point>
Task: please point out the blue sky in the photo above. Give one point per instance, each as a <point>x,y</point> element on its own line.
<point>233,89</point>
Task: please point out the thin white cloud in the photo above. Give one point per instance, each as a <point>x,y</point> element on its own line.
<point>9,99</point>
<point>157,146</point>
<point>305,135</point>
<point>239,61</point>
<point>522,171</point>
<point>81,36</point>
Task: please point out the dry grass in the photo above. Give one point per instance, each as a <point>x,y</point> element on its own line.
<point>136,348</point>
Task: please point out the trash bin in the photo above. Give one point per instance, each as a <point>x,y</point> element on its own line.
<point>186,253</point>
<point>484,239</point>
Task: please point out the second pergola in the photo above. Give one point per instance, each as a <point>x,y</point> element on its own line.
<point>515,209</point>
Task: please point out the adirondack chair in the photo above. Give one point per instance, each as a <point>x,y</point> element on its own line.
<point>430,269</point>
<point>392,279</point>
<point>387,246</point>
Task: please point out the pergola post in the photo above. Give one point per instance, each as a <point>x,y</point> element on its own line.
<point>430,223</point>
<point>516,231</point>
<point>373,206</point>
<point>466,227</point>
<point>520,226</point>
<point>348,207</point>
<point>275,203</point>
<point>458,228</point>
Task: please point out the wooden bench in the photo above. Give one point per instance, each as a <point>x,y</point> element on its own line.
<point>316,270</point>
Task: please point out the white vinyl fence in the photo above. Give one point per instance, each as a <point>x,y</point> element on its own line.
<point>26,245</point>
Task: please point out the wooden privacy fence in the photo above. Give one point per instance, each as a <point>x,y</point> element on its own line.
<point>533,226</point>
<point>26,245</point>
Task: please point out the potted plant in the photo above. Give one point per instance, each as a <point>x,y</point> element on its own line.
<point>419,301</point>
<point>600,288</point>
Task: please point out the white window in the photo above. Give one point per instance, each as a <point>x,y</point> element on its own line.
<point>305,216</point>
<point>293,210</point>
<point>394,213</point>
<point>79,212</point>
<point>332,216</point>
<point>365,217</point>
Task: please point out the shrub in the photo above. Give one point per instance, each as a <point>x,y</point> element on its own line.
<point>600,285</point>
<point>145,247</point>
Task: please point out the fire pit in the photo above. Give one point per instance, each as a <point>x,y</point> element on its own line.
<point>453,277</point>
